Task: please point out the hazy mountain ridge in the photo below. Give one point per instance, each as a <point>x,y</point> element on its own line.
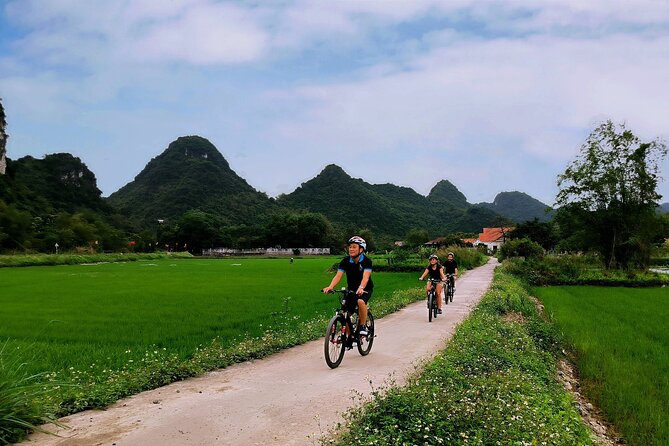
<point>191,173</point>
<point>386,208</point>
<point>519,207</point>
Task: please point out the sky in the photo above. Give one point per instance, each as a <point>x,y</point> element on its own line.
<point>491,95</point>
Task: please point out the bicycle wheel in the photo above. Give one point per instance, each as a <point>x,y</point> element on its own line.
<point>335,340</point>
<point>365,342</point>
<point>450,293</point>
<point>430,304</point>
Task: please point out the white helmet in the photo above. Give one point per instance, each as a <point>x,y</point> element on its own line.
<point>358,240</point>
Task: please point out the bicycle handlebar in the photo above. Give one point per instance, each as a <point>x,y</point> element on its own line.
<point>343,291</point>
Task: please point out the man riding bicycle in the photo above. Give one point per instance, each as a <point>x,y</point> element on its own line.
<point>358,269</point>
<point>451,267</point>
<point>436,272</point>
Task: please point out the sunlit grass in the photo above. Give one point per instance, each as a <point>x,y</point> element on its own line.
<point>95,333</point>
<point>621,342</point>
<point>107,314</point>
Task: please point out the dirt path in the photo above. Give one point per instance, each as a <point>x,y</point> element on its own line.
<point>289,398</point>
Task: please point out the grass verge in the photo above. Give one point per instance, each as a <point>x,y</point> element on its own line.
<point>494,384</point>
<point>20,393</point>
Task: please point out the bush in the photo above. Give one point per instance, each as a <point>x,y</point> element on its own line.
<point>21,407</point>
<point>523,247</point>
<point>467,258</point>
<point>579,270</point>
<point>75,259</point>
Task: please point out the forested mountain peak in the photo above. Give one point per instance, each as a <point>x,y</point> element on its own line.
<point>186,147</point>
<point>190,174</point>
<point>331,169</point>
<point>61,178</point>
<point>447,193</point>
<point>519,207</point>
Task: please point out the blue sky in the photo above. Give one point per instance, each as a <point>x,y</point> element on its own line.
<point>493,96</point>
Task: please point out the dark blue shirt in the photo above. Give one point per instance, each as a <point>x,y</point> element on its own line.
<point>354,272</point>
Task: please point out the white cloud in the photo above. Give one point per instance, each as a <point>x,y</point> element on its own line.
<point>207,34</point>
<point>489,82</point>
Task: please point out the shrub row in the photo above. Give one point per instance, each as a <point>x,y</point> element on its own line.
<point>77,259</point>
<point>467,258</point>
<point>660,261</point>
<point>579,270</point>
<point>495,384</point>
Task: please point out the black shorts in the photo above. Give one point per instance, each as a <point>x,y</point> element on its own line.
<point>352,300</point>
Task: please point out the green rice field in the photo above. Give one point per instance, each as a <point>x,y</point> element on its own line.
<point>109,315</point>
<point>621,342</point>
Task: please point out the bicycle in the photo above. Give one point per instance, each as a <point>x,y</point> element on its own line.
<point>337,341</point>
<point>432,309</point>
<point>449,288</point>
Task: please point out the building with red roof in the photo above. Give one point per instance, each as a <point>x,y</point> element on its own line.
<point>493,238</point>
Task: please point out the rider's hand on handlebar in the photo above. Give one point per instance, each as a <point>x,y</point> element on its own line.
<point>327,290</point>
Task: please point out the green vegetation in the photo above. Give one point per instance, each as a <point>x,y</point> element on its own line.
<point>78,259</point>
<point>493,384</point>
<point>20,394</point>
<point>388,210</point>
<point>523,247</point>
<point>100,332</point>
<point>403,260</point>
<point>608,197</point>
<point>579,270</point>
<point>621,347</point>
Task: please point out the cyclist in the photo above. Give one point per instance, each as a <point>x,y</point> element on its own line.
<point>358,269</point>
<point>436,272</point>
<point>451,267</point>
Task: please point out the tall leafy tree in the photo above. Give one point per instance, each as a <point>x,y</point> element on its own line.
<point>608,195</point>
<point>3,139</point>
<point>543,233</point>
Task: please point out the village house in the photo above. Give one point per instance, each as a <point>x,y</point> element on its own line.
<point>493,238</point>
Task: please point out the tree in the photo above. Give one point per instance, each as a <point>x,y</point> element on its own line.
<point>522,247</point>
<point>543,233</point>
<point>196,230</point>
<point>3,139</point>
<point>609,195</point>
<point>417,237</point>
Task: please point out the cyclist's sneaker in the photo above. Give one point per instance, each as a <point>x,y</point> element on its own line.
<point>363,331</point>
<point>349,343</point>
<point>439,311</point>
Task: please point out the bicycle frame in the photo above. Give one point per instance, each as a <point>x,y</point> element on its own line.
<point>341,332</point>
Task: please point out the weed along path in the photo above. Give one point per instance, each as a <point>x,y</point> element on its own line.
<point>290,398</point>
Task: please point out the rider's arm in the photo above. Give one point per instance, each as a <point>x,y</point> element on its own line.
<point>335,281</point>
<point>443,276</point>
<point>366,274</point>
<point>424,274</point>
